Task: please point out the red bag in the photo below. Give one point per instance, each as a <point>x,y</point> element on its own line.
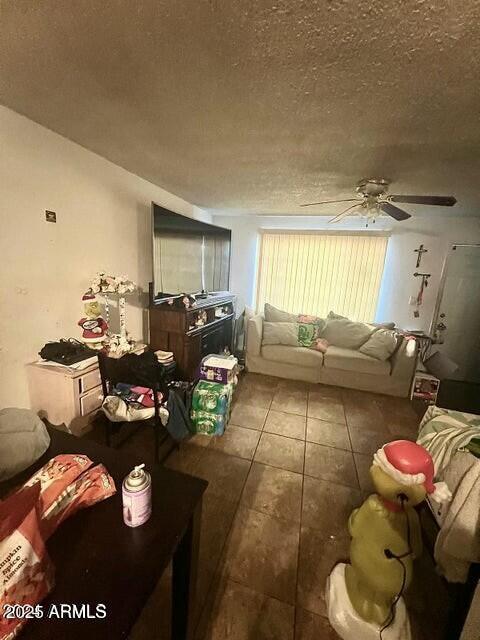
<point>27,574</point>
<point>92,486</point>
<point>63,486</point>
<point>56,475</point>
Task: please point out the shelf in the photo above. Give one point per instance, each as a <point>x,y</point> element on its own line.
<point>211,301</point>
<point>217,321</point>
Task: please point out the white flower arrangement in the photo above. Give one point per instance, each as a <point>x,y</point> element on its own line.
<point>118,344</point>
<point>104,284</point>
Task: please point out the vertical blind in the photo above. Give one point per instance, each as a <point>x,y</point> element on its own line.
<point>317,273</point>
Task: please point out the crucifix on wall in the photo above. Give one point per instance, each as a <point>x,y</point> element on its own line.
<point>420,252</point>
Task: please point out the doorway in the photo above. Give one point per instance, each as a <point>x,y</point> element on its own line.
<point>456,320</point>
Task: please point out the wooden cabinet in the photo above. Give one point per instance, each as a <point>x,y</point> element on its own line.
<point>179,330</point>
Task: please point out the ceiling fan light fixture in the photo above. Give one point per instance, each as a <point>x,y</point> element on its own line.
<point>374,200</point>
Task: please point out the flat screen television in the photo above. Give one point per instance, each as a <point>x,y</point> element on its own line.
<point>189,256</point>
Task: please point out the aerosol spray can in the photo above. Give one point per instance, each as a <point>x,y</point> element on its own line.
<point>137,497</point>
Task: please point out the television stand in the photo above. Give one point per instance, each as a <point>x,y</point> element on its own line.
<point>193,333</point>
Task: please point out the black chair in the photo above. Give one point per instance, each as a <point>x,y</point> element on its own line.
<point>139,370</point>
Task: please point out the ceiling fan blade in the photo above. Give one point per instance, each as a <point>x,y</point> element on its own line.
<point>395,212</point>
<point>344,213</point>
<point>311,204</point>
<point>442,201</point>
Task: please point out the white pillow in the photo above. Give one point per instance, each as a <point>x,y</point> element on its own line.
<point>380,345</point>
<point>345,333</point>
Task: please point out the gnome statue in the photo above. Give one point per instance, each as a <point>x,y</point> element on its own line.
<point>93,325</point>
<point>364,598</point>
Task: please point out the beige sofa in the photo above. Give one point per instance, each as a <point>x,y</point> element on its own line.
<point>338,366</point>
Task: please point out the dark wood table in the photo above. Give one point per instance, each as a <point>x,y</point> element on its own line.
<point>100,560</point>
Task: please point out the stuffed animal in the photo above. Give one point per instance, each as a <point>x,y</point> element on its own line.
<point>93,325</point>
<point>386,538</point>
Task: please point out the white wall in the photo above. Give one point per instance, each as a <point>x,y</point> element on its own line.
<point>103,222</point>
<point>437,233</point>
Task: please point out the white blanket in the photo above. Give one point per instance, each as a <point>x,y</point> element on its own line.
<point>445,434</point>
<point>458,542</point>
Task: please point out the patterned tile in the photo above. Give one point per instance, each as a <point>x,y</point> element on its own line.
<point>333,465</point>
<point>237,441</point>
<point>309,626</point>
<point>328,409</point>
<point>262,554</point>
<point>290,401</point>
<point>248,416</point>
<point>273,491</point>
<point>331,434</point>
<point>327,506</point>
<point>285,424</point>
<point>282,452</point>
<point>240,613</point>
<point>319,553</point>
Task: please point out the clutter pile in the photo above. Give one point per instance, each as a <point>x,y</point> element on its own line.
<point>212,396</point>
<point>129,403</point>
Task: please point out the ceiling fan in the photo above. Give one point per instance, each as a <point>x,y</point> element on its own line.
<point>372,200</point>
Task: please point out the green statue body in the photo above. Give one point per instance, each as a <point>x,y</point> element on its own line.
<point>386,538</point>
<point>373,580</point>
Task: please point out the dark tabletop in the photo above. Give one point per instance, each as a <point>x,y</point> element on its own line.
<point>100,560</point>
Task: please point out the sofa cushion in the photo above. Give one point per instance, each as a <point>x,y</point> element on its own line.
<point>345,333</point>
<point>300,356</point>
<point>351,360</point>
<point>380,345</point>
<point>272,314</point>
<point>280,333</point>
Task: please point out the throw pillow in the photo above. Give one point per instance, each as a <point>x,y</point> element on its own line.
<point>272,314</point>
<point>345,333</point>
<point>280,333</point>
<point>304,319</point>
<point>383,325</point>
<point>375,325</point>
<point>293,334</point>
<point>335,316</point>
<point>380,345</point>
<point>309,329</point>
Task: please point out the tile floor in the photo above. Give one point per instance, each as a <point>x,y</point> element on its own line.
<point>285,476</point>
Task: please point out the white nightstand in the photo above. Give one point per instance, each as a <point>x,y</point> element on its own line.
<point>65,397</point>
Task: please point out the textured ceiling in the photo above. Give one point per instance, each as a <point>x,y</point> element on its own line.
<point>256,106</point>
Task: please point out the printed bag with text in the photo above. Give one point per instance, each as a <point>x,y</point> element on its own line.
<point>26,571</point>
<point>69,483</point>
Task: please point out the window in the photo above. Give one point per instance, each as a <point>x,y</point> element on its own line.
<point>316,273</point>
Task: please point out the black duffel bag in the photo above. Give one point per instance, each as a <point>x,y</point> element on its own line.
<point>66,351</point>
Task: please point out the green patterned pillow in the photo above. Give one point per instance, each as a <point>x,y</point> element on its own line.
<point>307,334</point>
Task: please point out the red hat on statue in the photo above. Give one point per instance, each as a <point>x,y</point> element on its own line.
<point>409,463</point>
<point>89,296</point>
